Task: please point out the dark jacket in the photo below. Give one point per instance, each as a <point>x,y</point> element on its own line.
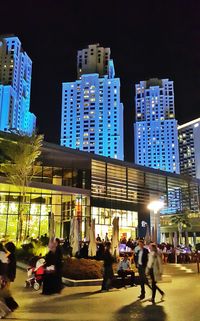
<point>144,257</point>
<point>11,269</point>
<point>108,262</point>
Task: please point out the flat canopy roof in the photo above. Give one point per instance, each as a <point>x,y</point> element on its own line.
<point>59,156</point>
<point>64,155</point>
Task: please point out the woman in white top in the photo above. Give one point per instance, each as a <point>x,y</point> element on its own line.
<point>154,269</point>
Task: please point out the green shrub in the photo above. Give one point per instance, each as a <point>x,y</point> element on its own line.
<point>82,269</point>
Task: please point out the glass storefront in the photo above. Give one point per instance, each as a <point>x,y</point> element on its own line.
<point>37,209</point>
<point>128,222</point>
<point>36,213</point>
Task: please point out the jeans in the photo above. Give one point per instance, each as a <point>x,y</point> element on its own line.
<point>143,279</point>
<point>154,285</point>
<point>123,274</point>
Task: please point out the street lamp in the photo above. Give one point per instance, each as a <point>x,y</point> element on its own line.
<point>155,207</point>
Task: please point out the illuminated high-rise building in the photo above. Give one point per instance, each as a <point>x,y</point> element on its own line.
<point>94,60</point>
<point>189,148</point>
<point>15,87</point>
<point>92,114</point>
<point>155,129</point>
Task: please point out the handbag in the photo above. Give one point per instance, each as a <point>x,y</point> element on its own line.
<point>50,269</point>
<point>3,282</point>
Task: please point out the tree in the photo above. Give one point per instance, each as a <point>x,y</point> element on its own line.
<point>20,155</point>
<point>182,222</point>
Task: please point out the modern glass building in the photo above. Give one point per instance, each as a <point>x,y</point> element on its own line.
<point>189,148</point>
<point>155,128</point>
<point>15,87</point>
<point>72,183</point>
<point>92,114</point>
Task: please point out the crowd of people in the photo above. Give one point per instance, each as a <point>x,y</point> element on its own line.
<point>148,262</point>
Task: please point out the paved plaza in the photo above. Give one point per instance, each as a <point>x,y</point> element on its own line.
<point>88,304</point>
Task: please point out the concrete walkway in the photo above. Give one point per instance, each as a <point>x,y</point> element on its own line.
<point>88,304</point>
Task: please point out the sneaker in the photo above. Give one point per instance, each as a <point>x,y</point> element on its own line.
<point>162,296</point>
<point>152,301</point>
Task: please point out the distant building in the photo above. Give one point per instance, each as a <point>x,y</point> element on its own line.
<point>92,114</point>
<point>15,87</point>
<point>155,129</point>
<point>189,148</point>
<point>94,60</point>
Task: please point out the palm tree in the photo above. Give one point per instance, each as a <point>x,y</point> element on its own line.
<point>20,156</point>
<point>182,222</point>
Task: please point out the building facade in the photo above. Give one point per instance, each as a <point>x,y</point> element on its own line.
<point>72,183</point>
<point>189,148</point>
<point>93,60</point>
<point>155,128</point>
<point>15,87</point>
<point>92,114</point>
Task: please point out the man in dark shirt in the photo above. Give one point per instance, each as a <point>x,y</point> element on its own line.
<point>141,260</point>
<point>108,270</point>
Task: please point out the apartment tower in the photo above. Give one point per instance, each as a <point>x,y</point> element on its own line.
<point>15,87</point>
<point>155,128</point>
<point>92,114</point>
<point>189,148</point>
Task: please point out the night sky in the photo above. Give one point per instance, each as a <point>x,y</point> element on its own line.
<point>147,39</point>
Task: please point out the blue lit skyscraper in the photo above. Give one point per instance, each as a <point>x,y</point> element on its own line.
<point>92,114</point>
<point>15,87</point>
<point>189,148</point>
<point>155,129</point>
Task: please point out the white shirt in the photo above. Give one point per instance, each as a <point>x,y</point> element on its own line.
<point>140,256</point>
<point>124,265</point>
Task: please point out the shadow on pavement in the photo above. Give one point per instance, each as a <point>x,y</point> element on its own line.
<point>137,312</point>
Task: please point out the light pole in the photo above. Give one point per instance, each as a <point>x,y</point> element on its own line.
<point>155,207</point>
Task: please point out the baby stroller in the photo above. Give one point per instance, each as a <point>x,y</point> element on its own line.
<point>35,274</point>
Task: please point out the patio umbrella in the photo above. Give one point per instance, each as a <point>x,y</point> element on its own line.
<point>51,225</point>
<point>74,241</point>
<point>147,235</point>
<point>175,239</point>
<point>115,237</point>
<point>92,245</point>
<point>87,228</point>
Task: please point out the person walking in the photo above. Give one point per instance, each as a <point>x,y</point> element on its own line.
<point>52,276</point>
<point>108,270</point>
<point>154,269</point>
<point>141,259</point>
<point>11,268</point>
<point>5,278</point>
<point>58,264</point>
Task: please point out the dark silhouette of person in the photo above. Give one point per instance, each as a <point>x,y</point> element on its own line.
<point>141,259</point>
<point>84,251</point>
<point>11,268</point>
<point>58,264</point>
<point>108,270</point>
<point>52,282</point>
